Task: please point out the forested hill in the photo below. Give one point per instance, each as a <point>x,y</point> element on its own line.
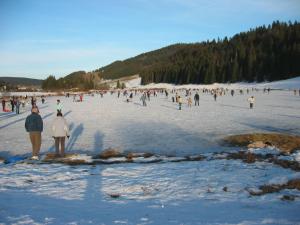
<point>21,81</point>
<point>264,53</point>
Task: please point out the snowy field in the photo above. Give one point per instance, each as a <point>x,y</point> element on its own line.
<point>157,193</point>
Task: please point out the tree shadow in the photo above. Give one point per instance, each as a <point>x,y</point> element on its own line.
<point>269,128</point>
<point>164,139</point>
<point>74,136</point>
<point>290,116</point>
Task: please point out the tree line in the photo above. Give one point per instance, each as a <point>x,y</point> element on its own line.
<point>266,53</point>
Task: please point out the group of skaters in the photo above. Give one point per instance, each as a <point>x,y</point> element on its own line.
<point>14,103</point>
<point>59,130</point>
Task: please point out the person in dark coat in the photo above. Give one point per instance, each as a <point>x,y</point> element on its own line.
<point>3,104</point>
<point>12,103</point>
<point>34,126</point>
<point>18,103</point>
<point>196,98</point>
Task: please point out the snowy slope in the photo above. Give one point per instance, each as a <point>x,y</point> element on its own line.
<point>289,84</point>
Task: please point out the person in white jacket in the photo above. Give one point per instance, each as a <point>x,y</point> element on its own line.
<point>60,130</point>
<point>251,100</point>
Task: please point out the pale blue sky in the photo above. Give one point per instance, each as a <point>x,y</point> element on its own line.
<point>39,37</point>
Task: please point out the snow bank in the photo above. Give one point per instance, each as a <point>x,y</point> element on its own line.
<point>289,84</point>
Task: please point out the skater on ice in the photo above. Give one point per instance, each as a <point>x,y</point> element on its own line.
<point>196,98</point>
<point>34,126</point>
<point>59,106</point>
<point>60,130</point>
<point>251,100</point>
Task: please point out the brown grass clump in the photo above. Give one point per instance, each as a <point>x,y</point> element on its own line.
<point>272,188</point>
<point>110,153</point>
<point>53,158</point>
<point>285,143</point>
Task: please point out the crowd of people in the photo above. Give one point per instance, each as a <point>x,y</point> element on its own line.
<point>60,127</point>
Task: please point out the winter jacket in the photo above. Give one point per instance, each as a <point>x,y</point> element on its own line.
<point>251,100</point>
<point>33,123</point>
<point>59,107</point>
<point>60,127</point>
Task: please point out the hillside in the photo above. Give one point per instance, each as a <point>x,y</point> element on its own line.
<point>265,53</point>
<point>76,80</point>
<point>21,81</point>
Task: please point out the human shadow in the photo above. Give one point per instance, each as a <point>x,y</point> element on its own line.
<point>47,115</point>
<point>234,106</point>
<point>137,103</point>
<point>21,119</point>
<point>93,189</point>
<point>11,123</point>
<point>170,107</point>
<point>98,144</point>
<point>67,113</point>
<point>74,136</point>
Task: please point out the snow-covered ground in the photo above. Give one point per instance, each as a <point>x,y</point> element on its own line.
<point>289,84</point>
<point>156,193</point>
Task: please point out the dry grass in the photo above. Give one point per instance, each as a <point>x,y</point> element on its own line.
<point>285,143</point>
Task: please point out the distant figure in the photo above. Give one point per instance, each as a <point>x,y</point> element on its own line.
<point>189,101</point>
<point>18,103</point>
<point>251,100</point>
<point>3,105</point>
<point>33,102</point>
<point>232,92</point>
<point>34,125</point>
<point>215,96</point>
<point>60,130</point>
<point>23,102</point>
<point>179,100</point>
<point>143,99</point>
<point>43,100</point>
<point>12,103</point>
<point>59,106</point>
<point>196,99</point>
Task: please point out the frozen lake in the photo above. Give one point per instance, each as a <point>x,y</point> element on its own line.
<point>99,123</point>
<point>159,193</point>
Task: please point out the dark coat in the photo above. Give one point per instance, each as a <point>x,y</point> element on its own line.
<point>33,123</point>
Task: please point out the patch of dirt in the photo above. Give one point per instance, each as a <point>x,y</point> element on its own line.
<point>110,153</point>
<point>248,157</point>
<point>285,143</point>
<point>272,188</point>
<point>67,159</point>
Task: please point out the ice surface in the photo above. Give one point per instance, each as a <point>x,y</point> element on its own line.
<point>211,191</point>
